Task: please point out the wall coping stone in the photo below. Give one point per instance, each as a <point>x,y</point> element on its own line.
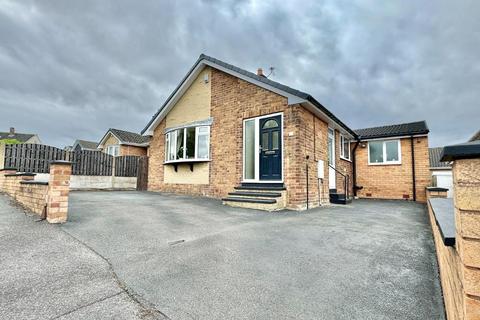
<point>60,162</point>
<point>26,174</point>
<point>461,151</point>
<point>8,168</point>
<point>444,212</point>
<point>45,183</point>
<point>437,189</point>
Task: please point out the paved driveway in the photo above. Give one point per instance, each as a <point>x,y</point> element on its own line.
<point>192,258</point>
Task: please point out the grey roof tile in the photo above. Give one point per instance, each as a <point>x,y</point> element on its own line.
<point>129,137</point>
<point>395,130</point>
<point>254,76</point>
<point>85,144</point>
<point>435,156</point>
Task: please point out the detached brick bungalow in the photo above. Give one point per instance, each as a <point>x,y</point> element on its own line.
<point>117,142</point>
<point>228,133</point>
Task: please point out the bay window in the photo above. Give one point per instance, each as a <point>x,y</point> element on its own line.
<point>384,152</point>
<point>344,148</point>
<point>187,144</point>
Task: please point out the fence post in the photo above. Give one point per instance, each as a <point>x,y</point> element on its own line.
<point>114,162</point>
<point>58,191</point>
<point>2,156</point>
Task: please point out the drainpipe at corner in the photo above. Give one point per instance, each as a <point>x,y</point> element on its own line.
<point>414,187</point>
<point>354,168</point>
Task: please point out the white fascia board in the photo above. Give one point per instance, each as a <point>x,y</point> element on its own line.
<point>331,123</point>
<point>292,99</point>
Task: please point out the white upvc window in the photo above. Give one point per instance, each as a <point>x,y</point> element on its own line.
<point>187,144</point>
<point>113,150</point>
<point>344,148</point>
<point>384,152</point>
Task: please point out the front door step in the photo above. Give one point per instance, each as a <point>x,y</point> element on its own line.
<point>258,196</point>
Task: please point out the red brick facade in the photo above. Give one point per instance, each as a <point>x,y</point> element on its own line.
<point>395,181</point>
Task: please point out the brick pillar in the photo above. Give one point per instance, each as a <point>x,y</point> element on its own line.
<point>466,181</point>
<point>4,172</point>
<point>58,190</point>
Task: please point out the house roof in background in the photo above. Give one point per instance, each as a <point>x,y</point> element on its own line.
<point>394,130</point>
<point>461,151</point>
<point>475,137</point>
<point>255,78</point>
<point>127,137</point>
<point>22,137</point>
<point>435,156</point>
<point>85,144</point>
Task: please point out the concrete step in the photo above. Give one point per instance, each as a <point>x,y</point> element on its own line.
<point>255,194</point>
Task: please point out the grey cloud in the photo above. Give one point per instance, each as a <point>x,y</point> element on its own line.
<point>71,69</point>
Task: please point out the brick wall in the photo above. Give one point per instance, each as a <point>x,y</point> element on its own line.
<point>22,188</point>
<point>48,199</point>
<point>460,265</point>
<point>395,181</point>
<point>126,150</point>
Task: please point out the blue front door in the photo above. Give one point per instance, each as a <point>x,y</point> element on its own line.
<point>271,148</point>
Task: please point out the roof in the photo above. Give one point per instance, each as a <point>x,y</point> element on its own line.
<point>461,151</point>
<point>127,137</point>
<point>475,137</point>
<point>299,95</point>
<point>394,130</point>
<point>22,137</point>
<point>435,156</point>
<point>85,144</point>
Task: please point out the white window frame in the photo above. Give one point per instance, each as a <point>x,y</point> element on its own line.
<point>384,150</point>
<point>171,136</point>
<point>257,148</point>
<point>115,148</point>
<point>344,140</point>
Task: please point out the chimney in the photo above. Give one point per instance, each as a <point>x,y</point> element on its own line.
<point>12,130</point>
<point>260,72</point>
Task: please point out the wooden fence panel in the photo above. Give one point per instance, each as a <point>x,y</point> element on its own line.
<point>126,166</point>
<point>31,157</point>
<point>91,163</point>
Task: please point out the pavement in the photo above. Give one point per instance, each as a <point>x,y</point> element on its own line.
<point>47,274</point>
<point>179,257</point>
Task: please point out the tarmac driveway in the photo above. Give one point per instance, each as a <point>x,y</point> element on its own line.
<point>192,258</point>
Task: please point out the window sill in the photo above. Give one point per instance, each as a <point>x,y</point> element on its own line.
<point>385,164</point>
<point>345,159</point>
<point>190,162</point>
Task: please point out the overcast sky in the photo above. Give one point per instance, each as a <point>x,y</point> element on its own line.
<point>72,69</point>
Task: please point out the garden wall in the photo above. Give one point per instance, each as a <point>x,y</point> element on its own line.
<point>458,241</point>
<point>47,199</point>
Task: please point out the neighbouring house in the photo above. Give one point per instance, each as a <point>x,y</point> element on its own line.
<point>441,170</point>
<point>124,143</point>
<point>228,133</point>
<point>82,145</point>
<point>392,162</point>
<point>17,137</point>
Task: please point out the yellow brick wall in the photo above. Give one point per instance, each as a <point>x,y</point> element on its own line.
<point>111,140</point>
<point>395,181</point>
<point>126,150</point>
<point>194,105</point>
